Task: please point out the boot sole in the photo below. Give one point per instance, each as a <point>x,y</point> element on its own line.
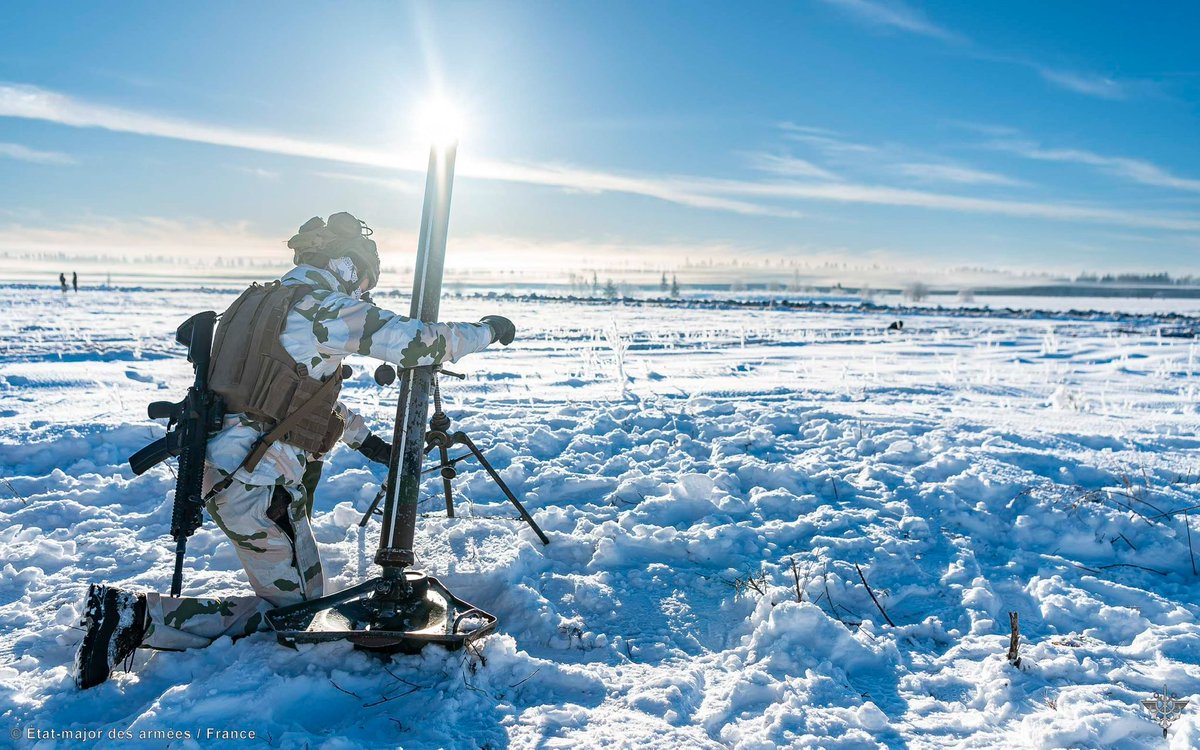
<point>101,620</point>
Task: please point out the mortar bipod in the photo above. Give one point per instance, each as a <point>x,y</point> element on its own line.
<point>439,437</point>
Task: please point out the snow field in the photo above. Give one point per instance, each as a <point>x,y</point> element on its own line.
<point>693,469</point>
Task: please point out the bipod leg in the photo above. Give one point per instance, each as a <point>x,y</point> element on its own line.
<point>448,473</point>
<point>374,505</point>
<point>461,437</point>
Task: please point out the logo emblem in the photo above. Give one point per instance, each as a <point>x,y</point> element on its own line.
<point>1165,708</point>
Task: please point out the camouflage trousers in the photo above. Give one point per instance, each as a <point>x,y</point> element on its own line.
<point>271,533</point>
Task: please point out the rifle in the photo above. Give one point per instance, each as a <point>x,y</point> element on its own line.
<point>189,423</point>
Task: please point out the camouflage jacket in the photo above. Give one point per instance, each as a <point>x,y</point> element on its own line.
<point>321,330</point>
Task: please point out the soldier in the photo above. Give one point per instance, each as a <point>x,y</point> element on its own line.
<point>277,363</point>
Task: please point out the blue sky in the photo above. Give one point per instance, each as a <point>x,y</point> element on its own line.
<point>1016,135</point>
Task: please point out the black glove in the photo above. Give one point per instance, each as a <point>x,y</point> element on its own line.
<point>503,329</point>
<point>376,450</point>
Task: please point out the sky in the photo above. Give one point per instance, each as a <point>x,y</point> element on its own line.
<point>1017,135</point>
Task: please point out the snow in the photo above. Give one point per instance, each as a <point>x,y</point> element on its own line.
<point>693,469</point>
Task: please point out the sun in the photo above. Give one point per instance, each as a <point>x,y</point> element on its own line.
<point>440,122</point>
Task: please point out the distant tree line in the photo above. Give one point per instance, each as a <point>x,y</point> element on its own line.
<point>1163,278</point>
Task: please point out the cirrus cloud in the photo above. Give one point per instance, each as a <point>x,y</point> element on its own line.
<point>749,197</point>
<point>24,153</point>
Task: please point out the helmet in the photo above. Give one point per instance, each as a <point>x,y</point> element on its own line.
<point>344,236</point>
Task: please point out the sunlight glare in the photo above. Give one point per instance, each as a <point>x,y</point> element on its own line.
<point>440,122</point>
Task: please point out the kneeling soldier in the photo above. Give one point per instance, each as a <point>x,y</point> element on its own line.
<point>277,363</point>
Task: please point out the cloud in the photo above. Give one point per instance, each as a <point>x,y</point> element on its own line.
<point>668,189</point>
<point>954,173</point>
<point>896,16</point>
<point>24,153</point>
<point>410,186</point>
<point>889,196</point>
<point>30,102</point>
<point>889,158</point>
<point>829,142</point>
<point>671,189</point>
<point>1136,170</point>
<point>139,235</point>
<point>736,196</point>
<point>722,192</point>
<point>259,172</point>
<point>1089,84</point>
<point>788,166</point>
<point>983,128</point>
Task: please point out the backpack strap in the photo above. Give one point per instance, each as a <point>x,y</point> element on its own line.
<point>265,441</point>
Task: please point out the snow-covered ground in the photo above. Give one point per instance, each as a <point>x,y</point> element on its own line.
<point>698,472</point>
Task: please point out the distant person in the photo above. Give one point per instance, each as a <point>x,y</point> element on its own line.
<point>896,326</point>
<point>62,279</point>
<point>75,281</point>
<point>263,506</point>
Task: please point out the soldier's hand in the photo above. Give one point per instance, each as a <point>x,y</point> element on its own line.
<point>503,329</point>
<point>375,449</point>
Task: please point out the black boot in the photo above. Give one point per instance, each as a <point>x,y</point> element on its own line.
<point>115,623</point>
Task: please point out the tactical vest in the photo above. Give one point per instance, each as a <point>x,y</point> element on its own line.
<point>255,375</point>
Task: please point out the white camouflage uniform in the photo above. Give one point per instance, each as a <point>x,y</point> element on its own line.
<point>322,328</point>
